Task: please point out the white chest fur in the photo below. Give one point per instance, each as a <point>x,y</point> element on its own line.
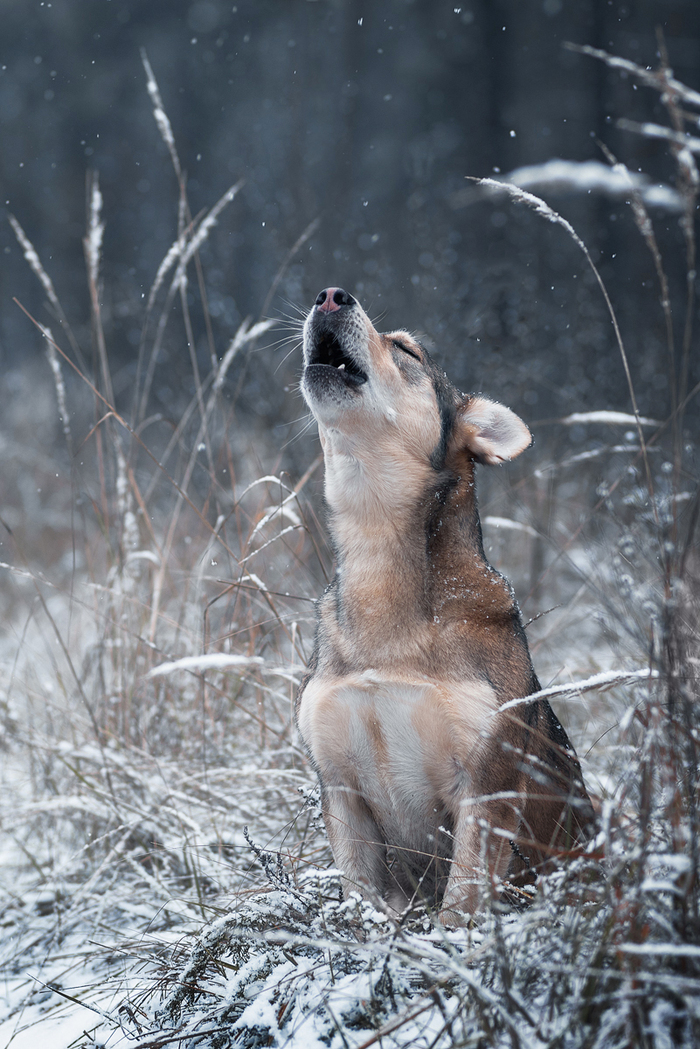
<point>406,747</point>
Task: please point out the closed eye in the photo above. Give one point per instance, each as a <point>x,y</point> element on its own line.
<point>405,349</point>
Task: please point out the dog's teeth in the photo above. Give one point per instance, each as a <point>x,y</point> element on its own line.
<point>341,367</point>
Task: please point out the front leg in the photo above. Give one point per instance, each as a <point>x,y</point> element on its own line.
<point>478,852</point>
<point>359,849</point>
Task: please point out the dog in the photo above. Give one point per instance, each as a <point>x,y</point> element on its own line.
<point>426,786</point>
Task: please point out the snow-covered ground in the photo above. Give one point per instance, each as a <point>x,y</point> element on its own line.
<point>164,872</point>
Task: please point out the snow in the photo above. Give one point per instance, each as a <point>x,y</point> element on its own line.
<point>93,240</point>
<point>609,417</point>
<point>32,258</point>
<point>267,952</point>
<point>245,334</point>
<point>561,176</point>
<point>607,679</point>
<point>681,950</point>
<point>660,80</point>
<point>508,525</point>
<point>161,117</point>
<point>54,1032</point>
<point>212,661</point>
<point>55,1001</point>
<point>522,196</point>
<point>200,234</point>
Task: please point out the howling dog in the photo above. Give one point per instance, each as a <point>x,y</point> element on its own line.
<point>426,786</point>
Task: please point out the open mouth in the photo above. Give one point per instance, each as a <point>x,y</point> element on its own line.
<point>328,350</point>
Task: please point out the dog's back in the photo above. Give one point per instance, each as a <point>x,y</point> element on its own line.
<point>419,643</point>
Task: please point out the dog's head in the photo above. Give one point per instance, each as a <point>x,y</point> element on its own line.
<point>382,395</point>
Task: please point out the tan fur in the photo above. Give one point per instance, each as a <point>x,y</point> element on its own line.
<point>425,785</point>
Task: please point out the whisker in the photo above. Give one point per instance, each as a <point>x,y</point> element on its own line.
<point>285,340</point>
<point>287,356</point>
<point>301,310</point>
<point>295,322</point>
<point>300,434</point>
<point>378,318</point>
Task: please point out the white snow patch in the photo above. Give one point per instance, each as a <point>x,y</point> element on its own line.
<point>599,681</point>
<point>611,418</point>
<point>509,525</point>
<point>588,176</point>
<point>212,661</point>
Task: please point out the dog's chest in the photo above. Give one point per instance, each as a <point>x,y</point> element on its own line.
<point>407,747</point>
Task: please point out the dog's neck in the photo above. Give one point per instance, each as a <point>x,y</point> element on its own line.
<point>378,528</point>
<point>409,553</point>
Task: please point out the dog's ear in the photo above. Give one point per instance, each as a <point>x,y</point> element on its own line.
<point>490,432</point>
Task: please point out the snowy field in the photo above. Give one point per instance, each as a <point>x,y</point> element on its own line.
<point>165,877</point>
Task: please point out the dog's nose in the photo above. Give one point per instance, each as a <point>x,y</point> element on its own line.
<point>331,299</point>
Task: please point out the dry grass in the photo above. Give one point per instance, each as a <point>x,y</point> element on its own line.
<point>165,864</point>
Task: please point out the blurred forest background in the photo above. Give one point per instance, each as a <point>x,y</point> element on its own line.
<point>367,116</point>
